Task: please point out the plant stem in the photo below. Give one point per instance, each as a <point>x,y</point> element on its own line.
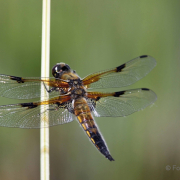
<point>44,131</point>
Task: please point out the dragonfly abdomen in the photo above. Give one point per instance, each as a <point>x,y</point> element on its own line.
<point>82,111</point>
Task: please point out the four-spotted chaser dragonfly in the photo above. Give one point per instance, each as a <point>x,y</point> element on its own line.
<point>69,99</point>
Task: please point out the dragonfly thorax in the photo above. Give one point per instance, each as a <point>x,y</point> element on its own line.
<point>75,83</point>
<point>78,92</point>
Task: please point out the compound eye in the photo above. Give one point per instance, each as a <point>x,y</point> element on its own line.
<point>65,68</point>
<point>55,70</point>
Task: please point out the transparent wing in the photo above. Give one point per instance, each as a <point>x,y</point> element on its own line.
<point>123,75</point>
<point>120,103</point>
<point>28,115</point>
<point>28,88</point>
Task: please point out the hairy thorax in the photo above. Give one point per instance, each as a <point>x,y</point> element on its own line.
<point>77,90</point>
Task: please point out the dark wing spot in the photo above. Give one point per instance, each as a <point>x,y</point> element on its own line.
<point>119,68</point>
<point>66,105</point>
<point>117,94</point>
<point>145,89</point>
<point>143,56</point>
<point>18,79</point>
<point>98,98</point>
<point>60,105</point>
<point>29,105</point>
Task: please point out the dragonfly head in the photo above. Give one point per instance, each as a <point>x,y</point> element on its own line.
<point>59,69</point>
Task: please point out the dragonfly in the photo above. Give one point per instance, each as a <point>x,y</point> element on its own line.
<point>68,97</point>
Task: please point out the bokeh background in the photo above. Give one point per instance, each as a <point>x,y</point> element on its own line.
<point>92,36</point>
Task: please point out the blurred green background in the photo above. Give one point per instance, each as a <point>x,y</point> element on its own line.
<point>92,36</point>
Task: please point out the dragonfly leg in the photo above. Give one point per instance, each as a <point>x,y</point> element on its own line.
<point>50,90</point>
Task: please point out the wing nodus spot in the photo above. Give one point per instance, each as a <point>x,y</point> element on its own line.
<point>119,68</point>
<point>29,105</point>
<point>18,79</point>
<point>117,94</point>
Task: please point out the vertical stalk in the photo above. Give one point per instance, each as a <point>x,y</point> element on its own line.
<point>44,131</point>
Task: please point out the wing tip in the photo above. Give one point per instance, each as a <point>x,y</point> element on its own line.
<point>145,89</point>
<point>152,94</point>
<point>150,58</point>
<point>143,56</point>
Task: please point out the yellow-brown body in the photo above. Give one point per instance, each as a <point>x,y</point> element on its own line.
<point>85,118</point>
<point>83,113</point>
<point>70,99</point>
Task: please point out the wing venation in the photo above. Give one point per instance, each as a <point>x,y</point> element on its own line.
<point>28,115</point>
<point>123,75</point>
<point>120,103</point>
<point>28,88</point>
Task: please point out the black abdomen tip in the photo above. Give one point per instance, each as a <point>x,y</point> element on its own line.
<point>109,157</point>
